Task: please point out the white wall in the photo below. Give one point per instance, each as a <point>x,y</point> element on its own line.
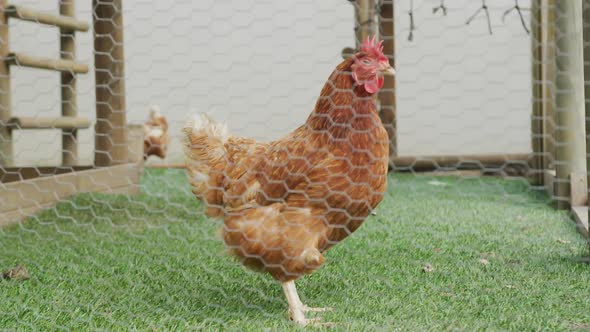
<point>259,65</point>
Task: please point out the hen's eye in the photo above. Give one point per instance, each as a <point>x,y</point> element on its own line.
<point>367,62</point>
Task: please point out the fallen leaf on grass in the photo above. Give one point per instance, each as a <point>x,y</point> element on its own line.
<point>488,254</point>
<point>437,183</point>
<point>484,261</point>
<point>563,241</point>
<point>427,268</point>
<point>581,326</point>
<point>18,272</point>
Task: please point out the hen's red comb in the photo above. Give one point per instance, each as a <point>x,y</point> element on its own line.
<point>375,49</point>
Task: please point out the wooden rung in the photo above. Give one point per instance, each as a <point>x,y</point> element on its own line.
<point>64,122</point>
<point>64,22</point>
<point>17,59</point>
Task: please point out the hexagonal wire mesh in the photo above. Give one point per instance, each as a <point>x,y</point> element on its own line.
<point>288,150</point>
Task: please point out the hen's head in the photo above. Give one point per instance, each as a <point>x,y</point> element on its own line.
<point>369,65</point>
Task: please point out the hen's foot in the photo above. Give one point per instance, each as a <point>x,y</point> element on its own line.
<point>316,321</point>
<point>297,309</point>
<point>310,309</point>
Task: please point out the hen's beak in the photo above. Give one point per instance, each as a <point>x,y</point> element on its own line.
<point>387,68</point>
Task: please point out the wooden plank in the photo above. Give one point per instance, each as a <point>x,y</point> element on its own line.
<point>537,162</point>
<point>6,153</point>
<point>484,162</point>
<point>111,146</point>
<point>15,216</point>
<point>38,191</point>
<point>438,163</point>
<point>12,174</point>
<point>23,60</point>
<point>64,122</point>
<point>586,34</point>
<point>69,105</point>
<point>133,189</point>
<point>66,22</point>
<point>387,96</point>
<point>179,165</point>
<point>23,198</point>
<point>548,81</point>
<point>104,179</point>
<point>578,189</point>
<point>580,214</point>
<point>548,180</point>
<point>569,99</point>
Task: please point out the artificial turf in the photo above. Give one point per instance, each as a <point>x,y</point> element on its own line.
<point>499,258</point>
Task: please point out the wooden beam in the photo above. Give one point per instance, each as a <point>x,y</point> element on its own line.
<point>583,215</point>
<point>387,96</point>
<point>488,163</point>
<point>570,109</point>
<point>111,124</point>
<point>12,174</point>
<point>64,122</point>
<point>5,104</point>
<point>537,162</point>
<point>548,71</point>
<point>496,163</point>
<point>365,19</point>
<point>580,214</point>
<point>66,22</point>
<point>69,106</point>
<point>578,189</point>
<point>23,60</point>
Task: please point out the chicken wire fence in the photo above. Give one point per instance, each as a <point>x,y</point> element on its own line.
<point>468,149</point>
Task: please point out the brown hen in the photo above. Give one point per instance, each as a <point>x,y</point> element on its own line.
<point>156,138</point>
<point>286,202</point>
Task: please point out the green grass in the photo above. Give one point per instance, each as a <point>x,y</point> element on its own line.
<point>153,262</point>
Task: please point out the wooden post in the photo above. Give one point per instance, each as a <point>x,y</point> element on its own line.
<point>5,114</point>
<point>537,162</point>
<point>68,86</point>
<point>586,27</point>
<point>111,126</point>
<point>570,110</point>
<point>365,23</point>
<point>387,96</point>
<point>548,77</point>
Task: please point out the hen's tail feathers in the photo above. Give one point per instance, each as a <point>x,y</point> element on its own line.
<point>203,141</point>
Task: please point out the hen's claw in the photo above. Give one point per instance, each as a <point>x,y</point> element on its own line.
<point>297,309</point>
<point>310,309</point>
<point>317,321</point>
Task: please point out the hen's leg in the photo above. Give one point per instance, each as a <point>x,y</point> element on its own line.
<point>296,308</point>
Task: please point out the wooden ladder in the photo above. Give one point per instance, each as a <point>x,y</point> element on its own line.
<point>68,122</point>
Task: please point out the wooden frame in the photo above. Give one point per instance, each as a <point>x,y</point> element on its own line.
<point>27,190</point>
